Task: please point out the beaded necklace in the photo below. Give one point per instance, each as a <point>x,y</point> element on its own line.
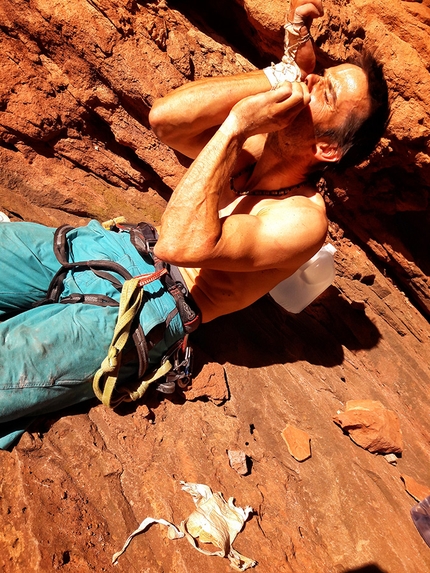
<point>265,192</point>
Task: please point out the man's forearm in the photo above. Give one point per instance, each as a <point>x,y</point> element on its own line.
<point>190,226</point>
<point>187,118</point>
<point>192,233</point>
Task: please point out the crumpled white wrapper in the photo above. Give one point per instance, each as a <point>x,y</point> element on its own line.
<point>214,521</point>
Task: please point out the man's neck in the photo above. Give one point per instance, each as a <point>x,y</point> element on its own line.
<point>278,168</point>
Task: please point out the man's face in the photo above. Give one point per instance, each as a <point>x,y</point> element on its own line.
<point>335,94</point>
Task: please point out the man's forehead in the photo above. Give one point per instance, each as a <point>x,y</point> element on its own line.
<point>347,72</point>
<point>348,81</point>
<point>351,86</point>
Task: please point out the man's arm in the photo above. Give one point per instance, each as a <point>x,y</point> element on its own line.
<point>193,235</point>
<point>188,117</point>
<point>301,14</point>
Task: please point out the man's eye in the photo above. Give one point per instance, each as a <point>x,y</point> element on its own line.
<point>328,97</point>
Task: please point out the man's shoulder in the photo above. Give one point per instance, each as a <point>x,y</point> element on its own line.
<point>302,199</point>
<point>302,215</point>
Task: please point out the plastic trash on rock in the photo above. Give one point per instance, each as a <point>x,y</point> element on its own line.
<point>214,521</point>
<point>420,514</point>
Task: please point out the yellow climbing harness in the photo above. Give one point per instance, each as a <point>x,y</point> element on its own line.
<point>105,379</point>
<point>176,360</point>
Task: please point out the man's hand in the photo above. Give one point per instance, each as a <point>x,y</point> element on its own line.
<point>305,10</point>
<point>188,117</point>
<point>268,111</point>
<point>301,14</point>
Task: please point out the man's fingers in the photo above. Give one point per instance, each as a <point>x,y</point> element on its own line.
<point>270,110</point>
<point>305,10</point>
<point>309,11</point>
<point>305,92</point>
<point>282,92</point>
<point>292,93</point>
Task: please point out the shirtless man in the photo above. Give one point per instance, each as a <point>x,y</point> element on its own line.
<point>244,217</point>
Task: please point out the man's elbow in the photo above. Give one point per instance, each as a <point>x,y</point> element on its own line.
<point>182,256</point>
<point>159,119</point>
<point>168,253</point>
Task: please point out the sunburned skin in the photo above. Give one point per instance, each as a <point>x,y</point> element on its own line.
<point>233,250</point>
<point>219,292</point>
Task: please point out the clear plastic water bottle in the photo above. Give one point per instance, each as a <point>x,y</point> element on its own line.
<point>297,291</point>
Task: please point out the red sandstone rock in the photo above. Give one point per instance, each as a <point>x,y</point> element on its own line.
<point>76,84</point>
<point>371,426</point>
<point>298,443</point>
<point>210,383</point>
<point>417,490</point>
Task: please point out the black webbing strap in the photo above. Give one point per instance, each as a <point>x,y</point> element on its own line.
<point>144,237</point>
<point>100,268</point>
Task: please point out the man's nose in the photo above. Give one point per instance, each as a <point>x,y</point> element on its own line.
<point>311,80</point>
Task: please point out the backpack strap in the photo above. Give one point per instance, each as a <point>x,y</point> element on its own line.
<point>99,267</point>
<point>95,299</point>
<point>144,238</point>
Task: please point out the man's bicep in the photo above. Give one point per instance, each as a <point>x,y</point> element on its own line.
<point>278,239</point>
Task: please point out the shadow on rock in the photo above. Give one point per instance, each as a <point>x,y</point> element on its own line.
<point>372,568</point>
<point>266,334</point>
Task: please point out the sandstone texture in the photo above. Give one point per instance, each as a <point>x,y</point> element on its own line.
<point>298,443</point>
<point>415,489</point>
<point>371,426</point>
<point>77,81</point>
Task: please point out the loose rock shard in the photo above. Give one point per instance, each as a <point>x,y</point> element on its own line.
<point>391,459</point>
<point>371,426</point>
<point>298,443</point>
<point>238,461</point>
<point>210,383</point>
<point>417,490</point>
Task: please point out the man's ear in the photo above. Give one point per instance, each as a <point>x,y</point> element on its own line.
<point>327,152</point>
